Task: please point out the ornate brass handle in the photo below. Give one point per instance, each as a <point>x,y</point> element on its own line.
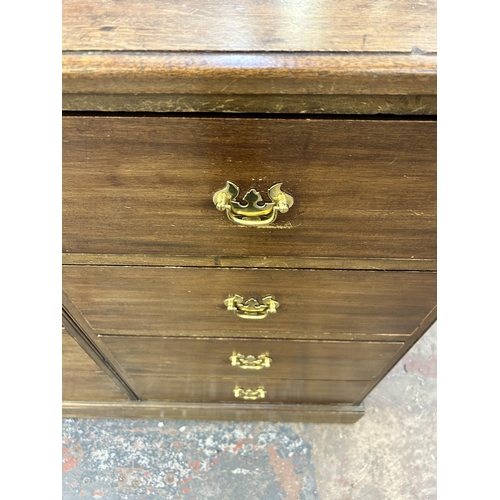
<point>258,393</point>
<point>254,212</point>
<point>251,309</point>
<point>251,362</point>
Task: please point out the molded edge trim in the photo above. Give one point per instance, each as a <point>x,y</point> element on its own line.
<point>265,412</point>
<point>249,73</point>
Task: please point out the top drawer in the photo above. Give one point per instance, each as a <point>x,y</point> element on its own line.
<point>144,185</point>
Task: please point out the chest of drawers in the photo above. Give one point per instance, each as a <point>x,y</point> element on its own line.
<point>249,205</point>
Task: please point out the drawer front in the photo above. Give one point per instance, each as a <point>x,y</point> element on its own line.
<point>361,189</point>
<point>222,390</point>
<point>190,301</point>
<point>254,359</point>
<point>82,379</point>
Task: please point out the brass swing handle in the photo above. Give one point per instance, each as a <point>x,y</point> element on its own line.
<point>251,309</point>
<point>252,394</point>
<point>254,212</point>
<point>251,362</point>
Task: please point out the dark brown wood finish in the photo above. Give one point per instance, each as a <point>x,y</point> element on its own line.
<point>89,386</point>
<point>82,379</point>
<point>154,387</point>
<point>228,74</point>
<point>158,260</point>
<point>249,25</point>
<point>189,301</point>
<point>145,185</point>
<point>318,57</point>
<point>209,358</point>
<point>254,103</point>
<point>148,260</point>
<point>74,357</point>
<point>264,412</point>
<point>78,328</point>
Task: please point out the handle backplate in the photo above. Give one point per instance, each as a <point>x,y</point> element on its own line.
<point>254,211</point>
<point>251,362</point>
<point>249,394</point>
<point>251,309</point>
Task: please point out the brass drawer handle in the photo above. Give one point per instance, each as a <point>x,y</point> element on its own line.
<point>251,309</point>
<point>258,393</point>
<point>253,212</point>
<point>251,362</point>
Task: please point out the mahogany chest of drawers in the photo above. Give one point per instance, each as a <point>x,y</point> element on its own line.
<point>249,205</point>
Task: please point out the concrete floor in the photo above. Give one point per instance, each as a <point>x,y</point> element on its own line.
<point>389,454</point>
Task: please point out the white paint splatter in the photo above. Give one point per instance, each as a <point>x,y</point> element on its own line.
<point>241,471</point>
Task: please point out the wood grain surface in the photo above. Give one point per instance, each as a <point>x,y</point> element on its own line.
<point>190,301</point>
<point>182,357</point>
<point>137,191</point>
<point>82,379</point>
<point>362,188</point>
<point>264,412</point>
<point>249,25</point>
<point>154,387</point>
<point>253,103</point>
<point>79,329</point>
<point>74,357</point>
<point>280,262</point>
<point>254,56</point>
<point>249,74</point>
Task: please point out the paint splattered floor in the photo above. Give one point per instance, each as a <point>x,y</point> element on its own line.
<point>389,454</point>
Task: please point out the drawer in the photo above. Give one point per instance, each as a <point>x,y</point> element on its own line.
<point>82,379</point>
<point>145,185</point>
<point>222,390</point>
<point>184,357</point>
<point>165,302</point>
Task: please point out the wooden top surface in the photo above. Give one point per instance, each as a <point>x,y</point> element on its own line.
<point>250,47</point>
<point>403,26</point>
